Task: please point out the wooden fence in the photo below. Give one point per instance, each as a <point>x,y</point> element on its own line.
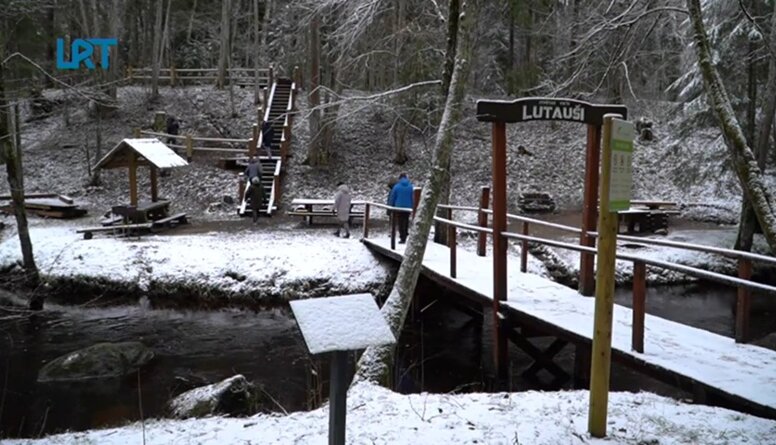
<point>181,76</point>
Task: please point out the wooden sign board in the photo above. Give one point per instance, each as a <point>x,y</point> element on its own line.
<point>545,109</point>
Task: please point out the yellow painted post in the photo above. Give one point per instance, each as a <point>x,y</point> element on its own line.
<point>601,356</point>
<point>136,133</point>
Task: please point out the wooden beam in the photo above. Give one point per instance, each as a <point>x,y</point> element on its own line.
<point>482,219</point>
<point>499,247</point>
<point>589,210</point>
<point>154,187</point>
<point>601,357</point>
<point>133,179</point>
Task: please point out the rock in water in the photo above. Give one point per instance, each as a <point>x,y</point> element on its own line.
<point>103,360</point>
<point>235,396</point>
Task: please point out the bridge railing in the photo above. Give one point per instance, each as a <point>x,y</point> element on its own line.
<point>743,282</point>
<point>392,212</point>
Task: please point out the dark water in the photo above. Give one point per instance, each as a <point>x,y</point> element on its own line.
<point>441,350</point>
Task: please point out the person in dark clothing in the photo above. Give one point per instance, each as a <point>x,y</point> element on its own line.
<point>253,170</point>
<point>257,197</point>
<point>173,127</point>
<point>267,134</point>
<point>402,196</point>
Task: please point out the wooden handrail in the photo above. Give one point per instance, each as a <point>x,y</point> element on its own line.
<point>275,191</point>
<point>649,241</point>
<point>195,138</point>
<point>742,282</point>
<point>396,209</point>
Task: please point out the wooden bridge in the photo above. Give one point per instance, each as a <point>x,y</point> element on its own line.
<point>715,369</point>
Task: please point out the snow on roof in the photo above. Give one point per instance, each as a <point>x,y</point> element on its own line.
<point>343,323</point>
<point>151,151</point>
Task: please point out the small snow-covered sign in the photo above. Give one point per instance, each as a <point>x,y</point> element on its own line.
<point>621,166</point>
<point>342,323</point>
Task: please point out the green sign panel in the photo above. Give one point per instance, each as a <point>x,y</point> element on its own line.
<point>621,173</point>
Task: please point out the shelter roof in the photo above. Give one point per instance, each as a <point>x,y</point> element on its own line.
<point>150,151</point>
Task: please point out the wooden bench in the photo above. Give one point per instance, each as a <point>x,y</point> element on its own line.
<point>178,218</point>
<point>126,228</point>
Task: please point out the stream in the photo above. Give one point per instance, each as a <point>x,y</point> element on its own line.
<point>439,352</point>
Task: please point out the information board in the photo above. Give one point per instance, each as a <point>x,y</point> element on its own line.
<point>621,172</point>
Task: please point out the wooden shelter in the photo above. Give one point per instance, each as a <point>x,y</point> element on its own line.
<point>134,153</point>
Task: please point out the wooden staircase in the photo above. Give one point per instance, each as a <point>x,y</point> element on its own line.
<point>280,103</point>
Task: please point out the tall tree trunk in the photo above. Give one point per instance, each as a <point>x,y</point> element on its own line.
<point>317,152</point>
<point>155,50</point>
<point>256,51</point>
<point>375,364</point>
<point>165,45</point>
<point>191,21</point>
<point>116,25</point>
<point>742,157</point>
<point>11,153</point>
<point>225,52</point>
<point>52,37</point>
<point>769,111</point>
<point>748,221</point>
<point>453,17</point>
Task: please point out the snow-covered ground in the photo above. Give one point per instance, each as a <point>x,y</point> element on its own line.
<point>262,261</point>
<point>379,416</point>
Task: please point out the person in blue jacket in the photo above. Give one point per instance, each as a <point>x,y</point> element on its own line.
<point>402,196</point>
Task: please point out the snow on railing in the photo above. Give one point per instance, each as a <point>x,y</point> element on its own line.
<point>743,282</point>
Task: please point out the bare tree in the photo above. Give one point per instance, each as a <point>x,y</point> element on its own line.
<point>376,362</point>
<point>224,54</point>
<point>742,156</point>
<point>155,51</point>
<point>11,155</point>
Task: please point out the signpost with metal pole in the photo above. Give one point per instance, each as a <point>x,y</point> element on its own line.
<point>337,325</point>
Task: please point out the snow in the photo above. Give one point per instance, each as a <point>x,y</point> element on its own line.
<point>342,323</point>
<point>714,360</point>
<point>379,416</point>
<point>273,262</point>
<point>152,149</point>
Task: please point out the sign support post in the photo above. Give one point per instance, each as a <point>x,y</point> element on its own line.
<point>615,195</point>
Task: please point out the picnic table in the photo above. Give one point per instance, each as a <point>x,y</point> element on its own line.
<point>649,216</point>
<point>309,208</point>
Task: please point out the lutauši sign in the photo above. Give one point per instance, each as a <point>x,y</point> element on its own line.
<point>546,109</point>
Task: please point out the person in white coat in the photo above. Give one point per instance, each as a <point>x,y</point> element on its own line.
<point>342,201</point>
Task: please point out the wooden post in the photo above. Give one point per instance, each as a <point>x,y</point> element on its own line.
<point>154,187</point>
<point>482,220</point>
<point>639,305</point>
<point>743,302</point>
<point>240,188</point>
<point>581,366</point>
<point>264,104</point>
<point>253,147</point>
<point>129,73</point>
<point>524,250</point>
<point>173,76</point>
<point>366,221</point>
<point>601,356</point>
<point>451,232</point>
<point>589,210</point>
<point>189,147</point>
<point>133,179</point>
<point>136,133</point>
<point>338,389</point>
<point>499,249</point>
<point>415,200</point>
<point>295,77</point>
<point>271,75</point>
<point>160,121</point>
<point>393,229</point>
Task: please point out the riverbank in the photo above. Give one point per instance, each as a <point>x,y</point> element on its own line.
<point>380,416</point>
<point>200,266</point>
